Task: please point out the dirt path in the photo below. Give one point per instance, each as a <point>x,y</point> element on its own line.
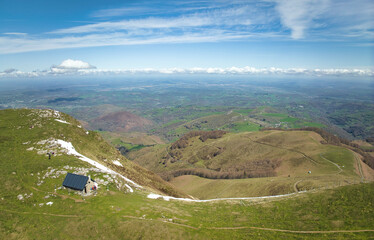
<point>164,221</point>
<point>47,214</point>
<point>359,166</point>
<point>292,231</point>
<point>295,186</point>
<point>340,169</point>
<point>257,228</point>
<point>291,150</point>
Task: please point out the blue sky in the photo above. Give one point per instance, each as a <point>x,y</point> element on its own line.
<point>74,35</point>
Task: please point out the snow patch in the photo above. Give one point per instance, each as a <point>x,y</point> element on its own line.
<point>61,121</point>
<point>130,189</point>
<point>57,113</point>
<point>167,198</point>
<point>117,163</point>
<point>71,151</point>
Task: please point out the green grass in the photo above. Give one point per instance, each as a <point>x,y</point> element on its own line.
<point>115,214</point>
<point>278,115</point>
<point>289,119</point>
<point>133,147</point>
<point>244,111</point>
<point>203,188</point>
<point>298,152</point>
<point>242,127</point>
<point>129,146</point>
<point>291,122</point>
<point>342,157</point>
<point>17,136</point>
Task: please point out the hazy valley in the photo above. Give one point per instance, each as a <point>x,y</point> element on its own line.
<point>196,146</point>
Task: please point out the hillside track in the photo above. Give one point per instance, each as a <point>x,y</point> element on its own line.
<point>248,227</point>
<point>359,166</point>
<point>292,231</point>
<point>340,169</point>
<point>295,186</point>
<point>163,221</point>
<point>47,214</point>
<point>288,149</point>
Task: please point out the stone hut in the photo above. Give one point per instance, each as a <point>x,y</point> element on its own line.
<point>80,183</point>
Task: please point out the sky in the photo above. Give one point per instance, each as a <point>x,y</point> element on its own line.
<point>75,37</point>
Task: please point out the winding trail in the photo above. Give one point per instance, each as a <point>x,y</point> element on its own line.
<point>168,198</point>
<point>164,221</point>
<point>251,227</point>
<point>359,166</point>
<point>295,186</point>
<point>47,214</point>
<point>292,231</point>
<point>340,169</point>
<point>291,150</point>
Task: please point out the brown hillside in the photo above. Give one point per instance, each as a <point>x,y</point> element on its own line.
<point>121,122</point>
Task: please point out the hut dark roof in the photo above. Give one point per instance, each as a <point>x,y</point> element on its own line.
<point>74,181</point>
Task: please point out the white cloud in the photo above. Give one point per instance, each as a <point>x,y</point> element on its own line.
<point>80,68</point>
<point>74,64</point>
<point>327,18</point>
<point>298,15</point>
<point>70,65</point>
<point>228,17</point>
<point>114,12</point>
<point>209,21</point>
<point>17,45</point>
<point>15,33</point>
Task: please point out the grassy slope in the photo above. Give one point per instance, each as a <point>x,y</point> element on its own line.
<point>135,138</point>
<point>132,216</point>
<point>114,214</point>
<point>299,152</point>
<point>15,130</point>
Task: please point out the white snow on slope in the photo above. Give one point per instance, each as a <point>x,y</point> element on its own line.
<point>71,151</point>
<point>130,189</point>
<point>167,198</point>
<point>57,113</point>
<point>61,121</point>
<point>117,163</point>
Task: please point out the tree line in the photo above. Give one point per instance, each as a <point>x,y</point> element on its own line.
<point>251,169</point>
<point>203,136</point>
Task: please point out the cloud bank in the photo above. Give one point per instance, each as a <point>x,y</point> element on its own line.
<point>71,67</point>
